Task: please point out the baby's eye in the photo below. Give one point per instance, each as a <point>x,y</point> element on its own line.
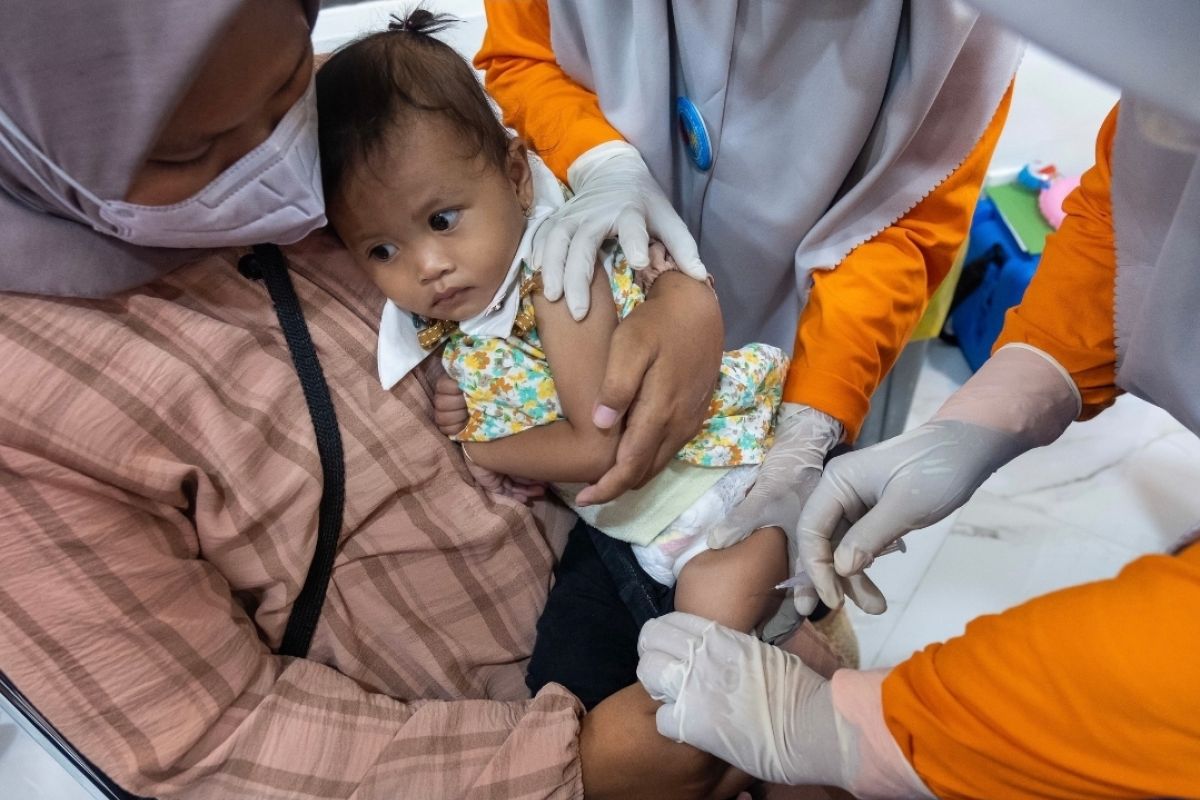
<point>443,220</point>
<point>382,252</point>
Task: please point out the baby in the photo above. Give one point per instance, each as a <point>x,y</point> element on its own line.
<point>438,204</point>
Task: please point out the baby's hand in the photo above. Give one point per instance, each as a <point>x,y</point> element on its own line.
<point>519,489</point>
<point>449,406</point>
<point>660,259</point>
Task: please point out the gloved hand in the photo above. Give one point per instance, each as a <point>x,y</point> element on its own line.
<point>762,710</point>
<point>803,438</point>
<point>1020,399</point>
<point>615,195</point>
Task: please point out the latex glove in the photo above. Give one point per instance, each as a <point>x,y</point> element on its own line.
<point>803,438</point>
<point>1020,399</point>
<point>762,710</point>
<point>614,195</point>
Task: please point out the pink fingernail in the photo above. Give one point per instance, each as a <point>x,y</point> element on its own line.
<point>604,417</point>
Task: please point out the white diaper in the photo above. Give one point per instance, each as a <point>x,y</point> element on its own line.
<point>687,534</point>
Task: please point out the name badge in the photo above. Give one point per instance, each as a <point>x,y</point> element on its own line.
<point>694,133</point>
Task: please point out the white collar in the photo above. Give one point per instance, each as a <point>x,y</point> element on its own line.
<point>398,351</point>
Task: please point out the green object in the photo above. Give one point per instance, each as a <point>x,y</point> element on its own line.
<point>1019,209</point>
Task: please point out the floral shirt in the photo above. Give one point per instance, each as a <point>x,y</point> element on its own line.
<point>509,388</point>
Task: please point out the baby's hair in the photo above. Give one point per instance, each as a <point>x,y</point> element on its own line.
<point>375,83</point>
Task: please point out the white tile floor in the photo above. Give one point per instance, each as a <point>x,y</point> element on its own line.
<point>1109,490</point>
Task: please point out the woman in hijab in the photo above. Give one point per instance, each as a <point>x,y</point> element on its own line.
<point>167,486</point>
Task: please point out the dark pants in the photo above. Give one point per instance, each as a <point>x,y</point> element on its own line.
<point>587,635</point>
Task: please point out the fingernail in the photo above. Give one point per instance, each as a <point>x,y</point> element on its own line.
<point>604,417</point>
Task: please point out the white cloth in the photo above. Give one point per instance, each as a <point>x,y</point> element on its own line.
<point>398,351</point>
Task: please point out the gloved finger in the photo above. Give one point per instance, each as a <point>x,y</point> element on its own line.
<point>816,527</point>
<point>865,594</point>
<point>736,526</point>
<point>662,675</point>
<point>635,241</point>
<point>678,630</point>
<point>668,722</point>
<point>804,598</point>
<point>680,243</point>
<point>578,270</point>
<point>549,256</point>
<point>761,509</point>
<point>814,557</point>
<point>879,527</point>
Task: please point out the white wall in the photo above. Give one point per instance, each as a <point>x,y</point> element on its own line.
<point>336,26</point>
<point>1056,112</point>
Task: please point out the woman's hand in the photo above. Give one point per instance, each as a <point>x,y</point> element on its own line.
<point>663,366</point>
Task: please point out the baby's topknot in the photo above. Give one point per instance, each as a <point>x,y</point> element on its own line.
<point>422,22</point>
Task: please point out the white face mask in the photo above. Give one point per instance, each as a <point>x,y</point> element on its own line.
<point>271,194</point>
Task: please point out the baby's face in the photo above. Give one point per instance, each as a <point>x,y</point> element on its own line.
<point>434,227</point>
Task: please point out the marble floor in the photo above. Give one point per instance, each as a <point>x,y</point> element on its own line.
<point>1111,489</point>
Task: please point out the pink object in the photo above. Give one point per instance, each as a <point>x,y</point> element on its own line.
<point>1051,198</point>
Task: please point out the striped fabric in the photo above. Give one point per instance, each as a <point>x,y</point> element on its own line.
<point>159,485</point>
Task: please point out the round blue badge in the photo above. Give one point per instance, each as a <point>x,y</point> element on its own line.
<point>695,135</point>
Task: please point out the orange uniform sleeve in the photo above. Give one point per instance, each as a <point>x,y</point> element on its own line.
<point>519,64</point>
<point>1068,308</point>
<point>859,316</point>
<point>1086,692</point>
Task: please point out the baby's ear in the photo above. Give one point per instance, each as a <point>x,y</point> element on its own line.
<point>519,173</point>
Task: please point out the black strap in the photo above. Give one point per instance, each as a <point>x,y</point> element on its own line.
<point>268,264</point>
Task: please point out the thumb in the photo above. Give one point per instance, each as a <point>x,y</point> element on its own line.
<point>762,507</point>
<point>736,526</point>
<point>669,725</point>
<point>879,527</point>
<point>622,379</point>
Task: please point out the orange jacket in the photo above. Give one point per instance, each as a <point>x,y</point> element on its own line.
<point>858,317</point>
<point>1068,310</point>
<point>1086,692</point>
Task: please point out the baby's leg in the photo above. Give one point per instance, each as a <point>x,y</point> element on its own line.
<point>736,586</point>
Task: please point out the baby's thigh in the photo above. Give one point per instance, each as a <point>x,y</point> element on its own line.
<point>736,586</point>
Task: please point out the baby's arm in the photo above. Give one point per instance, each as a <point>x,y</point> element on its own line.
<point>571,450</point>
